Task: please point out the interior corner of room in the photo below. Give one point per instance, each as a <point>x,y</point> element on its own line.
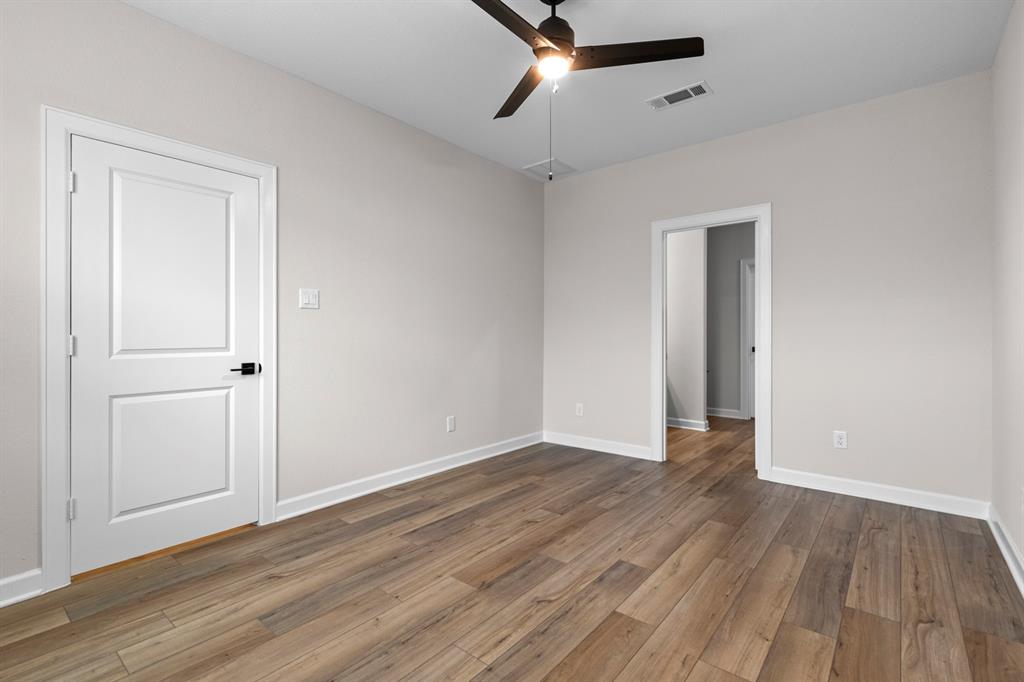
<point>265,306</point>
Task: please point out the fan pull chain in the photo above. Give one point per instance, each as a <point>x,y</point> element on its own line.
<point>551,99</point>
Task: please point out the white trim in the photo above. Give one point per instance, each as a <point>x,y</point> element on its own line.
<point>726,412</point>
<point>19,587</point>
<point>704,344</point>
<point>748,281</point>
<point>922,499</point>
<point>1011,552</point>
<point>761,215</point>
<point>599,445</point>
<point>692,424</point>
<point>268,347</point>
<point>318,499</point>
<point>57,128</point>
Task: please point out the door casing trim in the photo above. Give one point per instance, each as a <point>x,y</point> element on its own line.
<point>57,128</point>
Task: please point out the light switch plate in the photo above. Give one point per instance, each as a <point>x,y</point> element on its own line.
<point>309,298</point>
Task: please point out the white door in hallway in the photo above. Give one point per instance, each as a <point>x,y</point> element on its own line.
<point>164,305</point>
<point>748,336</point>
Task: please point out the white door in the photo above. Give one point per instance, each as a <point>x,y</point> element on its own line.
<point>748,334</point>
<point>164,303</point>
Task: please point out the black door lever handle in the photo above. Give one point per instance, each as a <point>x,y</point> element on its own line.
<point>248,368</point>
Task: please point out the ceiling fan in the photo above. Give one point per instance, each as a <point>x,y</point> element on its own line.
<point>553,43</point>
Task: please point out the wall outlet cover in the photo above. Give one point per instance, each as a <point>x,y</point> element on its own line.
<point>309,299</point>
<point>839,439</point>
<point>579,409</point>
<point>450,424</point>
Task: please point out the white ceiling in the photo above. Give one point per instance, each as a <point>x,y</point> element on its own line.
<point>445,66</point>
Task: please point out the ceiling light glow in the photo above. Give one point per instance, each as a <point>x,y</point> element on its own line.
<point>553,66</point>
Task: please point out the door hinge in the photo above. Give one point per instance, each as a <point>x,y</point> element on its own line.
<point>72,345</point>
<point>72,509</point>
<point>71,182</point>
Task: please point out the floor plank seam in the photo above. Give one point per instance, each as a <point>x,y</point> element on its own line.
<point>123,665</point>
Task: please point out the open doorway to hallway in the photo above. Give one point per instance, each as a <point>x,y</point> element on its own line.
<point>760,215</point>
<point>710,347</point>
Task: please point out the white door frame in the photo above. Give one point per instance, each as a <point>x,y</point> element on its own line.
<point>55,476</point>
<point>748,335</point>
<point>761,215</point>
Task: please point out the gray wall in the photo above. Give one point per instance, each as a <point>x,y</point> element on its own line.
<point>727,244</point>
<point>881,276</point>
<point>428,258</point>
<point>685,334</point>
<point>1008,342</point>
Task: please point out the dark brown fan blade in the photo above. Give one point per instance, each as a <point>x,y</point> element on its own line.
<point>600,56</point>
<point>527,84</point>
<point>515,23</point>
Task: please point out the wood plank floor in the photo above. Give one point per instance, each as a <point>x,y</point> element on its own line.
<point>553,563</point>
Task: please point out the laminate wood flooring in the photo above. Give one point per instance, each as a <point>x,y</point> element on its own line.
<point>554,563</point>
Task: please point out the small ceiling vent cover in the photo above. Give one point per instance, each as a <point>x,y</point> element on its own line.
<point>539,170</point>
<point>694,91</point>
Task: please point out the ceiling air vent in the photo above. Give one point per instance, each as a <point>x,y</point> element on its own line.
<point>539,170</point>
<point>700,89</point>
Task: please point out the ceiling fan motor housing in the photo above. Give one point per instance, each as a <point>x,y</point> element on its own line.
<point>558,31</point>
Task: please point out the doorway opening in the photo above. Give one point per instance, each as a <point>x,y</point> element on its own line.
<point>711,334</point>
<point>709,338</point>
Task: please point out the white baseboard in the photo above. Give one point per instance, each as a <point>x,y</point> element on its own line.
<point>693,424</point>
<point>22,586</point>
<point>725,412</point>
<point>923,499</point>
<point>302,504</point>
<point>1011,552</point>
<point>609,446</point>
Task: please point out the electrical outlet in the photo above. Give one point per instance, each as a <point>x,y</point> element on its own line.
<point>450,424</point>
<point>579,409</point>
<point>839,439</point>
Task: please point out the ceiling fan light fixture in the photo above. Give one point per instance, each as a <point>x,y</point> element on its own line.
<point>554,44</point>
<point>553,66</point>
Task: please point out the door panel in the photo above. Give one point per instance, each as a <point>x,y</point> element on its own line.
<point>169,260</point>
<point>164,303</point>
<point>154,463</point>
